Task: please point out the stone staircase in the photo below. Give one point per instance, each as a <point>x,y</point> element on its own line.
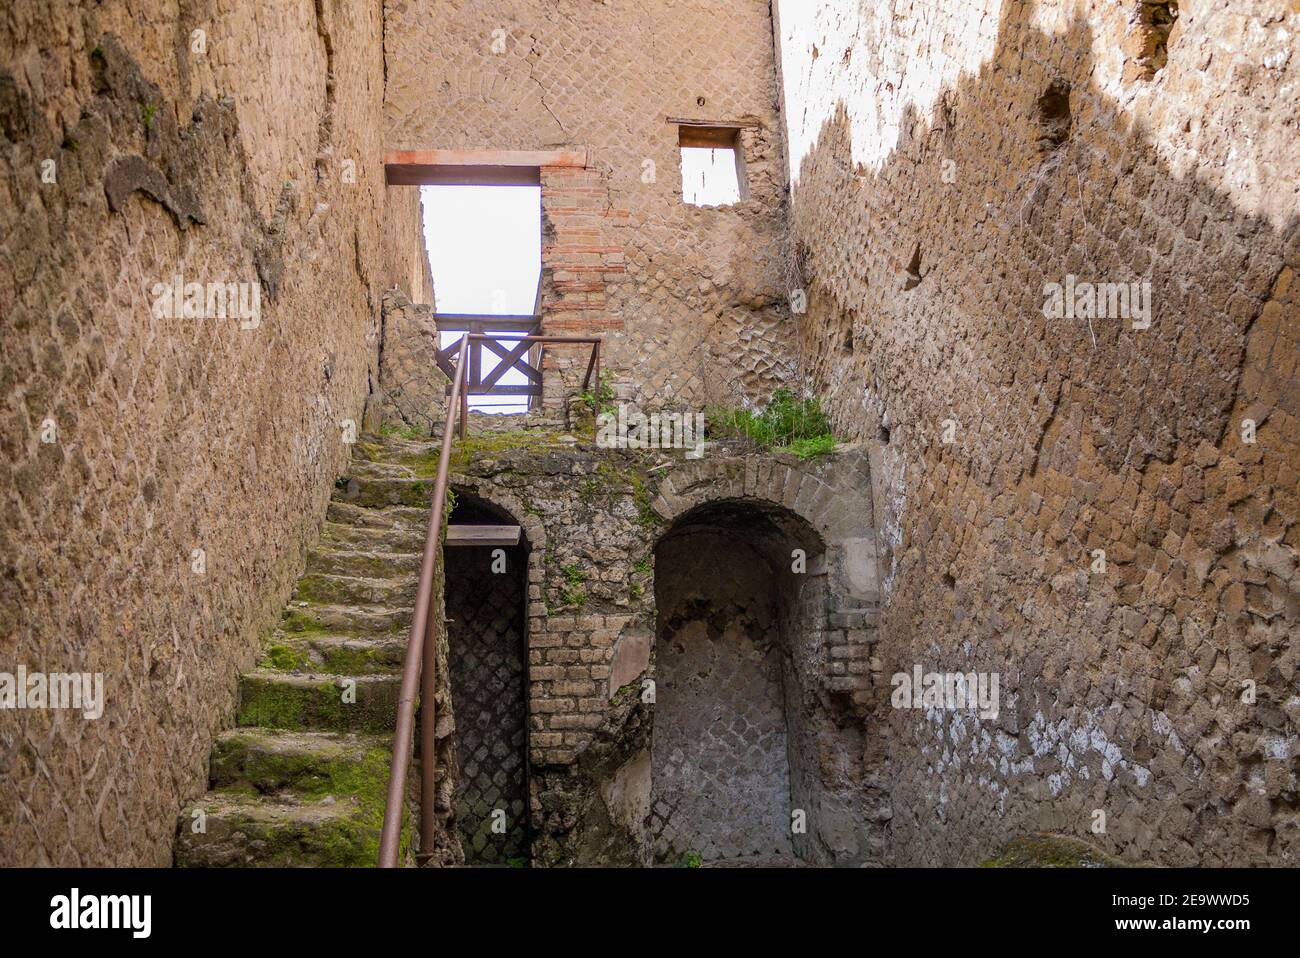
<point>301,779</point>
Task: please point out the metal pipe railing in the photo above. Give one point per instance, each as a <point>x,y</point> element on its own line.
<point>421,650</point>
<point>418,667</point>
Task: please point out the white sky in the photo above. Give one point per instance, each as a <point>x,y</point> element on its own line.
<point>709,176</point>
<point>485,251</point>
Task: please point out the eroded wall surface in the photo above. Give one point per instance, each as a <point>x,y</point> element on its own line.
<point>720,773</point>
<point>950,161</point>
<point>592,517</point>
<point>690,300</point>
<point>232,143</point>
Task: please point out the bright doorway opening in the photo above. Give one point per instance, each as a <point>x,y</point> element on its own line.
<point>485,252</point>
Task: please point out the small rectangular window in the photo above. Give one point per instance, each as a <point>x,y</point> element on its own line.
<point>711,165</point>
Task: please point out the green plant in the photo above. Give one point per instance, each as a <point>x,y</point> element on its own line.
<point>572,592</point>
<point>148,111</point>
<point>787,422</point>
<point>692,860</point>
<point>810,448</point>
<point>599,400</point>
<point>404,431</point>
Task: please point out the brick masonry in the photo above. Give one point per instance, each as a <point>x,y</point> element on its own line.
<point>919,173</point>
<point>592,518</point>
<point>690,301</point>
<point>948,161</point>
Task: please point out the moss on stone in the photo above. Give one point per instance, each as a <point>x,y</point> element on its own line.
<point>340,660</point>
<point>282,658</point>
<point>368,450</point>
<point>330,658</point>
<point>296,620</point>
<point>269,701</point>
<point>326,589</point>
<point>464,452</point>
<point>623,481</point>
<point>1051,851</point>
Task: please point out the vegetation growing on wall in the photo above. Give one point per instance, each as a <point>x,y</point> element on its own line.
<point>790,423</point>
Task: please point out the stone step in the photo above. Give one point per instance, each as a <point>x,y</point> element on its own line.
<point>315,702</point>
<point>335,559</point>
<point>316,617</point>
<point>309,764</point>
<point>249,831</point>
<point>383,469</point>
<point>353,590</point>
<point>379,493</point>
<point>343,513</point>
<point>404,539</point>
<point>334,654</point>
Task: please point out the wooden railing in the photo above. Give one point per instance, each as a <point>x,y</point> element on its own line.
<point>503,336</point>
<point>422,645</point>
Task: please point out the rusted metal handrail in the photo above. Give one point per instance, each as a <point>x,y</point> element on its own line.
<point>422,646</point>
<point>421,652</point>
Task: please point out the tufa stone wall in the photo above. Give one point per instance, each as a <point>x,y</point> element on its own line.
<point>592,519</point>
<point>690,300</point>
<point>412,389</point>
<point>134,150</point>
<point>949,162</point>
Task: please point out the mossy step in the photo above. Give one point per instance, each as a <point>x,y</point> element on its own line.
<point>422,458</point>
<point>247,831</point>
<point>1052,851</point>
<point>356,562</point>
<point>380,493</point>
<point>380,469</point>
<point>302,618</point>
<point>317,702</point>
<point>407,539</point>
<point>334,654</point>
<point>345,513</point>
<point>309,764</point>
<point>355,590</point>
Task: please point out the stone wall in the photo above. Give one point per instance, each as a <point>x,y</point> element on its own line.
<point>720,761</point>
<point>592,518</point>
<point>690,300</point>
<point>162,475</point>
<point>406,259</point>
<point>412,391</point>
<point>948,162</point>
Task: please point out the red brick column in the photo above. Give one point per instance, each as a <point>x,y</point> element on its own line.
<point>579,259</point>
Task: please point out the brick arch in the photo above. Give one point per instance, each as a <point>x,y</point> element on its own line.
<point>796,488</point>
<point>532,526</point>
<point>748,658</point>
<point>833,496</point>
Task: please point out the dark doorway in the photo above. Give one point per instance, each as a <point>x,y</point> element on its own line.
<point>740,736</point>
<point>488,659</point>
